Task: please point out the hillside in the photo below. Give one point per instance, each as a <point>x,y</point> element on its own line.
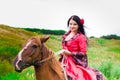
<point>11,41</point>
<point>102,54</point>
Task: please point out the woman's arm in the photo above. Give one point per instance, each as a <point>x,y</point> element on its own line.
<point>66,52</point>
<point>82,43</point>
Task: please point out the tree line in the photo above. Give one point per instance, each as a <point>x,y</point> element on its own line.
<point>112,36</point>
<point>46,31</point>
<point>61,32</point>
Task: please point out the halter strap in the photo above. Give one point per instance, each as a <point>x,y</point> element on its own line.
<point>43,60</point>
<point>39,62</point>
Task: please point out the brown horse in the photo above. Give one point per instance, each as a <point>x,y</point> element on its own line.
<point>43,59</point>
<point>36,54</point>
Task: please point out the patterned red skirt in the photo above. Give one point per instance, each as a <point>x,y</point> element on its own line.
<point>77,72</point>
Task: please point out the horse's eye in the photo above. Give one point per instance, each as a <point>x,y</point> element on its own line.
<point>34,46</point>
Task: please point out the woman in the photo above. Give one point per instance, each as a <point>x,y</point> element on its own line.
<point>74,51</point>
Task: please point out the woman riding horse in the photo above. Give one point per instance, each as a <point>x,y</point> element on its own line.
<point>74,52</point>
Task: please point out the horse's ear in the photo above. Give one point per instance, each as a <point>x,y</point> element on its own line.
<point>44,39</point>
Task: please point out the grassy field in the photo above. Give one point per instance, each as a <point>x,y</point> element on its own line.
<point>102,54</point>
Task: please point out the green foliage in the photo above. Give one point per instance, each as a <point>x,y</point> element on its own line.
<point>112,36</point>
<point>92,37</point>
<point>45,31</point>
<point>101,41</point>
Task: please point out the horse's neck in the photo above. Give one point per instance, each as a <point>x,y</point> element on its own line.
<point>49,70</point>
<point>42,72</point>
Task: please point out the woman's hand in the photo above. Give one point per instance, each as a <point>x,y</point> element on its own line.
<point>65,52</point>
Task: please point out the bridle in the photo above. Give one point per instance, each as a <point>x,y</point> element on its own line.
<point>41,61</point>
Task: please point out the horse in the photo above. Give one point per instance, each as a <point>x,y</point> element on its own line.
<point>45,64</point>
<point>36,53</point>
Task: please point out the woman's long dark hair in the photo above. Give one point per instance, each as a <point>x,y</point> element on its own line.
<point>80,25</point>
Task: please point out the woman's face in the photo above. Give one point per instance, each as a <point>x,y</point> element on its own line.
<point>73,26</point>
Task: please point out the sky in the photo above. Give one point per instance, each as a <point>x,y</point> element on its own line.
<point>101,17</point>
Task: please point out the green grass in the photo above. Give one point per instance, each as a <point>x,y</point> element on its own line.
<point>102,54</point>
<point>110,70</point>
<point>115,49</point>
<point>54,43</point>
<point>27,74</point>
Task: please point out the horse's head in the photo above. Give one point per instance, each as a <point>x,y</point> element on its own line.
<point>30,53</point>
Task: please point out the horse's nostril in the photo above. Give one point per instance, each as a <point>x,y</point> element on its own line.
<point>17,64</point>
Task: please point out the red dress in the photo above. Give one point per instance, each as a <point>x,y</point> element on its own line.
<point>77,44</point>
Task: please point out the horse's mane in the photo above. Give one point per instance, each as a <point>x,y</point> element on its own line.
<point>54,64</point>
